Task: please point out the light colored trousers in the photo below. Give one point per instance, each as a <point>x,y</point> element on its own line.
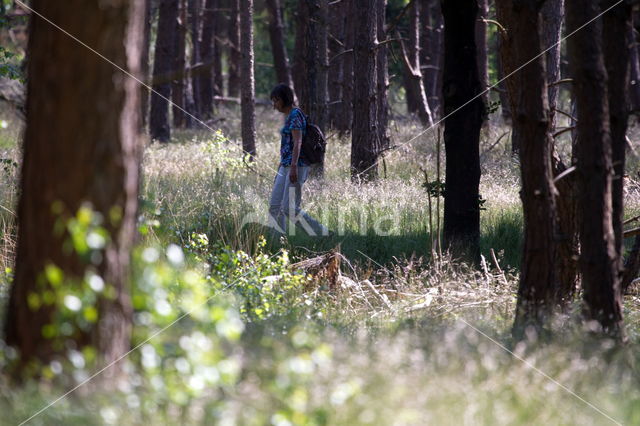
<point>285,204</point>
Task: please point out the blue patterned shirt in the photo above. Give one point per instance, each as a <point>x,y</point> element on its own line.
<point>294,121</point>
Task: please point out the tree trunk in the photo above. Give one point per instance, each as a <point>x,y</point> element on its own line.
<point>233,85</point>
<point>300,54</point>
<point>205,71</point>
<point>599,262</point>
<point>411,65</point>
<point>336,43</point>
<point>194,27</point>
<point>433,52</point>
<point>178,86</point>
<point>383,78</point>
<point>552,14</point>
<point>365,146</point>
<point>634,59</point>
<point>616,26</point>
<point>505,107</point>
<point>481,45</point>
<point>219,35</point>
<point>144,66</point>
<point>462,130</point>
<point>82,145</point>
<point>276,32</point>
<point>537,277</point>
<point>346,121</point>
<point>248,81</point>
<point>159,126</point>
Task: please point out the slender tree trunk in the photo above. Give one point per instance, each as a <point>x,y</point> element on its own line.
<point>276,32</point>
<point>599,262</point>
<point>336,43</point>
<point>505,107</point>
<point>205,71</point>
<point>537,288</point>
<point>82,145</point>
<point>482,48</point>
<point>159,126</point>
<point>616,26</point>
<point>346,121</point>
<point>219,35</point>
<point>248,81</point>
<point>146,47</point>
<point>383,78</point>
<point>411,60</point>
<point>433,48</point>
<point>462,130</point>
<point>634,59</point>
<point>195,7</point>
<point>552,14</point>
<point>233,86</point>
<point>178,86</point>
<point>365,146</point>
<point>300,54</point>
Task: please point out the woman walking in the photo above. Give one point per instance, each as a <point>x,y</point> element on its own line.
<point>293,170</point>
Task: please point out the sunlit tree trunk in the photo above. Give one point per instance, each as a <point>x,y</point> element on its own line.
<point>248,81</point>
<point>82,145</point>
<point>276,33</point>
<point>365,146</point>
<point>205,71</point>
<point>233,87</point>
<point>178,84</point>
<point>382,78</point>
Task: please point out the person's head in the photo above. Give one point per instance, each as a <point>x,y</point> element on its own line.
<point>282,97</point>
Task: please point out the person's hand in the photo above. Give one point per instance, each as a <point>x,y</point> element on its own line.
<point>293,174</point>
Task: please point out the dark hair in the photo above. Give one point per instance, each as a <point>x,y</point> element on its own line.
<point>284,93</point>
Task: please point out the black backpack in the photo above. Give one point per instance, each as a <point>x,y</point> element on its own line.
<point>314,144</point>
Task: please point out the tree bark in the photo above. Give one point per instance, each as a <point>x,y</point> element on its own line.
<point>346,120</point>
<point>616,26</point>
<point>365,146</point>
<point>337,43</point>
<point>414,86</point>
<point>219,35</point>
<point>205,71</point>
<point>195,7</point>
<point>144,66</point>
<point>300,54</point>
<point>383,78</point>
<point>481,43</point>
<point>433,52</point>
<point>159,126</point>
<point>552,14</point>
<point>537,289</point>
<point>462,130</point>
<point>82,145</point>
<point>634,59</point>
<point>599,262</point>
<point>233,85</point>
<point>248,81</point>
<point>276,32</point>
<point>178,86</point>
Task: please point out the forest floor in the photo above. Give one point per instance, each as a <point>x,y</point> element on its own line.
<point>394,334</point>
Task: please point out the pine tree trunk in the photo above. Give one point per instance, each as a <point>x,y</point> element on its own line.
<point>146,48</point>
<point>616,26</point>
<point>276,32</point>
<point>159,126</point>
<point>413,75</point>
<point>248,81</point>
<point>233,85</point>
<point>462,130</point>
<point>195,7</point>
<point>300,54</point>
<point>634,59</point>
<point>205,71</point>
<point>336,44</point>
<point>552,14</point>
<point>219,35</point>
<point>365,146</point>
<point>178,86</point>
<point>537,288</point>
<point>481,43</point>
<point>82,145</point>
<point>346,121</point>
<point>599,263</point>
<point>383,78</point>
<point>433,48</point>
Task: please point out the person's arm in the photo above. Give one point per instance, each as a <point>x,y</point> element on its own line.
<point>297,144</point>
